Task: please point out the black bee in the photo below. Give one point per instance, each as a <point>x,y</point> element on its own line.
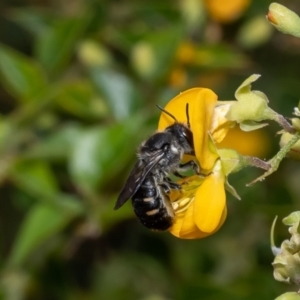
<point>148,184</point>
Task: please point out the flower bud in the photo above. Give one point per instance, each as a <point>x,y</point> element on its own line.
<point>284,19</point>
<point>250,107</point>
<point>289,296</point>
<point>297,111</point>
<point>294,152</point>
<point>92,53</point>
<point>292,219</point>
<point>296,123</point>
<point>143,59</point>
<point>287,263</point>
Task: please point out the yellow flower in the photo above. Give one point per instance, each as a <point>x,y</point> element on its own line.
<point>186,53</point>
<point>200,207</point>
<point>178,77</point>
<point>225,11</point>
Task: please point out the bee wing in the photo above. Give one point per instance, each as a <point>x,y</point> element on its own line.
<point>136,178</point>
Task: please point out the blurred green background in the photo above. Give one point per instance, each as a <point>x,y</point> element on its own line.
<point>79,80</point>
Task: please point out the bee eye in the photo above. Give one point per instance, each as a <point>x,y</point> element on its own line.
<point>189,136</point>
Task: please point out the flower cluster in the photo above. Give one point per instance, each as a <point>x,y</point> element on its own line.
<point>287,258</point>
<point>200,206</point>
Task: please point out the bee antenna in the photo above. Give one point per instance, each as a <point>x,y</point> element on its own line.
<point>187,115</point>
<point>166,112</point>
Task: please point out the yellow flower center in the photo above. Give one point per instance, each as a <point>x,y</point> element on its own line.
<point>182,199</point>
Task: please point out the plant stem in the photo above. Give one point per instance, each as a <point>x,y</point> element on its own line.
<point>275,161</point>
<point>284,124</point>
<point>256,162</point>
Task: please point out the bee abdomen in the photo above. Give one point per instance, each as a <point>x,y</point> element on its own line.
<point>152,206</point>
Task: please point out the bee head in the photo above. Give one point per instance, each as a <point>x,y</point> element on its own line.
<point>181,132</point>
<point>158,141</point>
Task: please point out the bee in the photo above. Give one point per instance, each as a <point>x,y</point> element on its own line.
<point>148,184</point>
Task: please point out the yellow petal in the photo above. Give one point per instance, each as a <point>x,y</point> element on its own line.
<point>251,143</point>
<point>184,226</point>
<point>201,107</point>
<point>220,124</point>
<point>210,202</point>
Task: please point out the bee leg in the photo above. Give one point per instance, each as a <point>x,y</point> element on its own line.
<point>174,186</point>
<point>169,185</point>
<point>190,164</point>
<point>177,174</point>
<point>165,187</point>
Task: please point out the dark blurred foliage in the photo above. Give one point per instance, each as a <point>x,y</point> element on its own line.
<point>78,87</point>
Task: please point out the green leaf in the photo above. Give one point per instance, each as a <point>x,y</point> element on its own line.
<point>35,20</point>
<point>35,177</point>
<point>220,56</point>
<point>55,147</point>
<point>118,90</point>
<point>153,56</point>
<point>100,153</point>
<point>55,47</point>
<point>165,45</point>
<point>79,99</point>
<point>42,222</point>
<point>108,217</point>
<point>21,76</point>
